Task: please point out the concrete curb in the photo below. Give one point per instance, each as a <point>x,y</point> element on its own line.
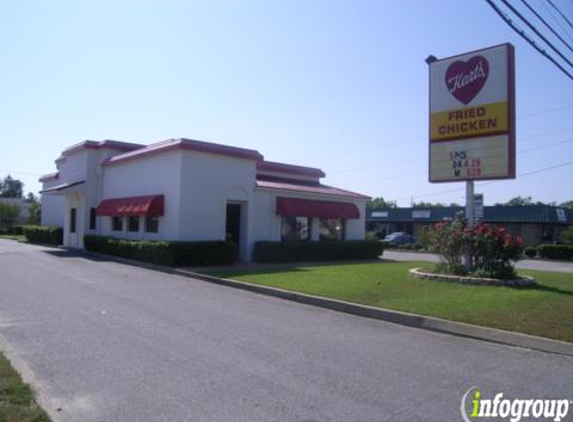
<point>41,398</point>
<point>411,320</point>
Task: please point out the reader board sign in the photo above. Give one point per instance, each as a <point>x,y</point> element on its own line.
<point>472,116</point>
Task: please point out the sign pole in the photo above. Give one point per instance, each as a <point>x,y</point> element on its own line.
<point>470,218</point>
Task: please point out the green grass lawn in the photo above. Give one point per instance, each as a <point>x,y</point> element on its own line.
<point>544,310</point>
<point>16,398</point>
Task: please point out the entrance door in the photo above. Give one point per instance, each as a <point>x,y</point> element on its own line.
<point>233,227</point>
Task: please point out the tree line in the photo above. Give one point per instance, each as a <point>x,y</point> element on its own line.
<point>10,213</point>
<point>381,203</point>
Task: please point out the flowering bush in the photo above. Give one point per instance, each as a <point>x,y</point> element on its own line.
<point>491,250</point>
<point>447,238</point>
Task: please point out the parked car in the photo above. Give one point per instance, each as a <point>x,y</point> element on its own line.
<point>401,238</point>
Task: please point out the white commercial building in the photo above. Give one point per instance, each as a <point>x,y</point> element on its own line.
<point>183,189</point>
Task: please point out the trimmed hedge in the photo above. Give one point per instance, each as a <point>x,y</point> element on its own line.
<point>205,253</point>
<point>16,230</point>
<point>277,252</point>
<point>558,252</point>
<point>530,252</point>
<point>49,235</point>
<point>165,253</point>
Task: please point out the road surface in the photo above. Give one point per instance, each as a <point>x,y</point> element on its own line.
<point>112,342</point>
<point>525,264</point>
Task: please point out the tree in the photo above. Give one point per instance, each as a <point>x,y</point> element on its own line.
<point>380,203</point>
<point>11,188</point>
<point>520,201</point>
<point>567,236</point>
<point>8,215</point>
<point>567,204</point>
<point>35,209</point>
<point>31,198</point>
<point>423,204</point>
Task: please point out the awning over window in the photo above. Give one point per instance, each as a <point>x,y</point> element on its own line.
<point>138,205</point>
<point>295,207</point>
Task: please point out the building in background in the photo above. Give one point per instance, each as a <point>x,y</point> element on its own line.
<point>534,223</point>
<point>182,189</point>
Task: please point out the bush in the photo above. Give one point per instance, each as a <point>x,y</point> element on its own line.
<point>492,249</point>
<point>277,252</point>
<point>530,252</point>
<point>206,253</point>
<point>165,253</point>
<point>49,235</point>
<point>16,230</point>
<point>558,252</point>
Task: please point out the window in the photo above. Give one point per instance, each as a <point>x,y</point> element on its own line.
<point>331,229</point>
<point>133,224</point>
<point>73,215</point>
<point>117,224</point>
<point>295,228</point>
<point>152,224</point>
<point>92,218</point>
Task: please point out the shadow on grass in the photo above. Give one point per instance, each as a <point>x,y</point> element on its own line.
<point>264,269</point>
<point>549,289</point>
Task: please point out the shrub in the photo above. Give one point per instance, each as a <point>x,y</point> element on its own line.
<point>16,230</point>
<point>371,235</point>
<point>447,239</point>
<point>277,252</point>
<point>205,253</point>
<point>165,253</point>
<point>492,250</point>
<point>567,236</point>
<point>530,252</point>
<point>43,234</point>
<point>558,252</point>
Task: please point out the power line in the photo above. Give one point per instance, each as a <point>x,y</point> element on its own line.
<point>529,173</point>
<point>560,13</point>
<point>547,25</point>
<point>539,34</point>
<point>528,39</point>
<point>557,20</point>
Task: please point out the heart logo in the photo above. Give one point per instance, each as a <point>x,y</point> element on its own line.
<point>466,79</point>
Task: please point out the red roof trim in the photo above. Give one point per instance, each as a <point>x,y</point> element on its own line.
<point>321,189</point>
<point>289,168</point>
<point>297,207</point>
<point>61,187</point>
<point>49,177</point>
<point>108,143</point>
<point>186,144</point>
<point>151,205</point>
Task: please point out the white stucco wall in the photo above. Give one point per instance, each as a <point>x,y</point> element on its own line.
<point>155,175</point>
<point>53,207</point>
<point>209,182</point>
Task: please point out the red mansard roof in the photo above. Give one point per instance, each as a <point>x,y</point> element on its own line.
<point>186,144</point>
<point>319,188</point>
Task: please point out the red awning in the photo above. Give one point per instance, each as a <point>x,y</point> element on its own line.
<point>138,205</point>
<point>295,207</point>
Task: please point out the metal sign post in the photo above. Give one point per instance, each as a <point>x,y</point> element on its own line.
<point>470,219</point>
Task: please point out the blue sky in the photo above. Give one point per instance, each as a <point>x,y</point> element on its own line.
<point>339,85</point>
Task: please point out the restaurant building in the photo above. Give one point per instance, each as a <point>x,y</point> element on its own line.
<point>183,189</point>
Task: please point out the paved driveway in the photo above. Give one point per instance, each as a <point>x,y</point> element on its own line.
<point>111,342</point>
<point>526,264</point>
